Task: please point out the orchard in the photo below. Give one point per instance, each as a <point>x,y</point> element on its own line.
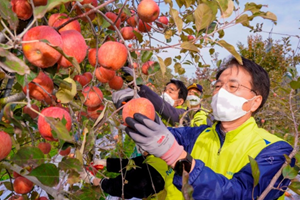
<point>61,61</point>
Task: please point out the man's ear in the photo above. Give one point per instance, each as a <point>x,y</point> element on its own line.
<point>256,103</point>
<point>180,102</point>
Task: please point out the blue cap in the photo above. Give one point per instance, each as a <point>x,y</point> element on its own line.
<point>195,86</point>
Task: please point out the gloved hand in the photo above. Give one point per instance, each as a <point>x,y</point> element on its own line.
<point>122,96</point>
<point>153,137</point>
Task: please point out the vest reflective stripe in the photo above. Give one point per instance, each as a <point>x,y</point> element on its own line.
<point>246,140</point>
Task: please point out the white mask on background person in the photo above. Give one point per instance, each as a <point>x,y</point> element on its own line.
<point>194,100</point>
<point>165,96</point>
<point>227,106</point>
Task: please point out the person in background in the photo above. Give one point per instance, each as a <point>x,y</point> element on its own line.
<point>218,158</point>
<point>199,115</point>
<point>168,105</point>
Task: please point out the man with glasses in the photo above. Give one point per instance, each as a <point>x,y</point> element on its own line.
<point>217,157</point>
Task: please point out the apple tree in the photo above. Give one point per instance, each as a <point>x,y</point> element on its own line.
<point>61,61</point>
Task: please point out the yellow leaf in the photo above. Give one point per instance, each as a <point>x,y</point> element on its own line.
<point>65,94</point>
<point>162,66</point>
<point>189,46</point>
<point>231,49</point>
<point>203,16</point>
<point>178,21</point>
<point>227,13</point>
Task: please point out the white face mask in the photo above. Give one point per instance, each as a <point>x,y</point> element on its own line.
<point>165,96</point>
<point>194,100</point>
<point>227,106</point>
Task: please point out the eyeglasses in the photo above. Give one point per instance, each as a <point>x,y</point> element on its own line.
<point>231,86</point>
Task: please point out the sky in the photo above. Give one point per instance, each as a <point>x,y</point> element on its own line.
<point>288,23</point>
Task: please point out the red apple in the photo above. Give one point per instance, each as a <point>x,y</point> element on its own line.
<point>144,27</point>
<point>38,93</point>
<point>83,80</point>
<point>104,75</point>
<point>39,53</point>
<point>22,185</point>
<point>162,20</point>
<point>127,33</point>
<point>112,55</point>
<point>54,112</point>
<point>57,19</point>
<point>93,96</point>
<point>135,65</point>
<point>92,56</point>
<point>132,21</point>
<point>22,8</point>
<point>129,45</point>
<point>88,75</point>
<point>65,152</point>
<point>112,16</point>
<point>5,144</point>
<point>15,174</point>
<point>73,45</point>
<point>140,105</point>
<point>59,105</point>
<point>40,2</point>
<point>31,113</point>
<point>95,112</point>
<point>148,10</point>
<point>190,37</point>
<point>146,66</point>
<point>44,147</point>
<point>116,83</point>
<point>92,15</point>
<point>123,16</point>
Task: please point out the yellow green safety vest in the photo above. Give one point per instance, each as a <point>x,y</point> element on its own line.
<point>199,118</point>
<point>246,140</point>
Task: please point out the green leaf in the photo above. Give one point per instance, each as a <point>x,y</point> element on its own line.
<point>180,3</point>
<point>177,19</point>
<point>295,186</point>
<point>231,49</point>
<point>255,171</point>
<point>295,84</point>
<point>181,71</point>
<point>189,46</point>
<point>40,11</point>
<point>30,77</point>
<point>60,130</point>
<point>203,16</point>
<point>86,194</point>
<point>138,35</point>
<point>289,172</point>
<point>155,67</point>
<point>11,63</point>
<point>168,61</point>
<point>227,10</point>
<point>47,174</point>
<point>7,14</point>
<point>139,81</point>
<point>65,94</point>
<point>270,15</point>
<point>162,66</point>
<point>146,55</point>
<point>8,113</point>
<point>133,54</point>
<point>211,51</point>
<point>252,7</point>
<point>177,66</point>
<point>69,58</point>
<point>244,20</point>
<point>28,155</point>
<point>70,163</point>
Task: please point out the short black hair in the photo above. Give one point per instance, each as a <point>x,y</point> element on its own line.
<point>182,89</point>
<point>260,79</point>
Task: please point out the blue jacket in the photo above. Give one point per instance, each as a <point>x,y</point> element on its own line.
<point>238,184</point>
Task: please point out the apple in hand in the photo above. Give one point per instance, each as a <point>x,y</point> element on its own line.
<point>139,105</point>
